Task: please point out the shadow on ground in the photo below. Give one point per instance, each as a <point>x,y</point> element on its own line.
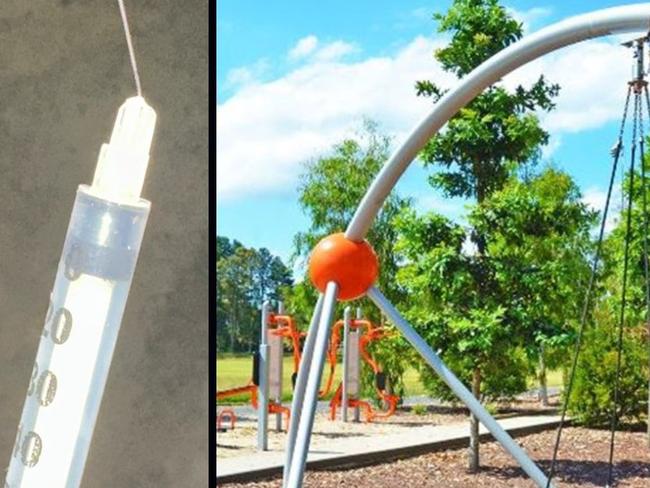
<point>580,472</point>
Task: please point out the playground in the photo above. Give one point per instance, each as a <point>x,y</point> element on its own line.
<point>475,321</point>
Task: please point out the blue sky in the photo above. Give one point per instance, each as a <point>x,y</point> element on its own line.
<point>294,77</point>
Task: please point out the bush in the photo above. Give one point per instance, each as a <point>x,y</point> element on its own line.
<point>593,390</point>
<point>419,409</point>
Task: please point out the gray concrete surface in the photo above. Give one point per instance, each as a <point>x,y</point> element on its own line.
<point>364,450</point>
<point>64,71</point>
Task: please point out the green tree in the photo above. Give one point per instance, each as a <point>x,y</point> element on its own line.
<point>538,247</point>
<point>476,155</point>
<point>246,277</point>
<point>491,312</point>
<point>270,275</point>
<point>225,249</point>
<point>593,393</point>
<point>330,190</point>
<point>235,283</point>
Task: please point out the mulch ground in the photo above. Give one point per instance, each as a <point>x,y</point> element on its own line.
<point>582,462</point>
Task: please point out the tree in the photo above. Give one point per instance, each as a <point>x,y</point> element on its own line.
<point>330,190</point>
<point>481,147</point>
<point>492,312</point>
<point>246,277</point>
<point>225,249</point>
<point>593,393</point>
<point>269,276</point>
<point>235,282</point>
<point>539,244</point>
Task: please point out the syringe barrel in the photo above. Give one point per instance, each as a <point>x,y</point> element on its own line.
<point>81,327</point>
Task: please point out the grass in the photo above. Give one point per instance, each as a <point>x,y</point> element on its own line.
<point>237,370</point>
<point>553,378</point>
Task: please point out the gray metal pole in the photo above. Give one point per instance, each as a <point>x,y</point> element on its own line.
<point>635,17</point>
<point>301,448</point>
<point>278,416</point>
<point>301,383</point>
<point>357,411</point>
<point>458,388</point>
<point>347,318</point>
<point>263,387</point>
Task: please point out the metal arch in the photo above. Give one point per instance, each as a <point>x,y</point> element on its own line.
<point>570,31</point>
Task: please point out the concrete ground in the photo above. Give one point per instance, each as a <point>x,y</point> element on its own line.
<point>362,449</point>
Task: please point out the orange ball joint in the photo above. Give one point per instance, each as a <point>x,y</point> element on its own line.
<point>353,266</point>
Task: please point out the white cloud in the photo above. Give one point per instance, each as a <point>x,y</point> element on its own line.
<point>335,51</point>
<point>592,76</point>
<point>554,142</point>
<point>246,75</point>
<point>595,199</point>
<point>303,47</point>
<point>266,130</point>
<point>528,18</point>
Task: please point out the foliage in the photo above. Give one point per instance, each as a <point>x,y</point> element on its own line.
<point>246,277</point>
<point>330,190</point>
<point>419,409</point>
<point>592,396</point>
<point>490,311</point>
<point>538,248</point>
<point>593,393</point>
<point>497,131</point>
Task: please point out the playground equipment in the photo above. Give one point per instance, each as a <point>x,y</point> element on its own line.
<point>275,328</point>
<point>344,266</point>
<point>232,418</point>
<point>355,347</point>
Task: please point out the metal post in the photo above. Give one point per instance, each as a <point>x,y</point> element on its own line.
<point>458,388</point>
<point>306,422</point>
<point>357,412</point>
<point>301,383</point>
<point>263,387</point>
<point>347,318</point>
<point>278,399</point>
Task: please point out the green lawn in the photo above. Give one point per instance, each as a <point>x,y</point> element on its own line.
<point>234,371</point>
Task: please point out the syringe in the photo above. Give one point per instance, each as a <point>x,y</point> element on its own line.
<point>86,306</point>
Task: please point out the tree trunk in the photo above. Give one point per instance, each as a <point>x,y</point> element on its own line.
<point>543,390</point>
<point>473,453</point>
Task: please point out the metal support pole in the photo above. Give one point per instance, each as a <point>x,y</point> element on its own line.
<point>357,411</point>
<point>306,422</point>
<point>347,318</point>
<point>278,399</point>
<point>263,387</point>
<point>301,383</point>
<point>458,388</point>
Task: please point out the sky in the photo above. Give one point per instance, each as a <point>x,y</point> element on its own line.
<point>296,77</point>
